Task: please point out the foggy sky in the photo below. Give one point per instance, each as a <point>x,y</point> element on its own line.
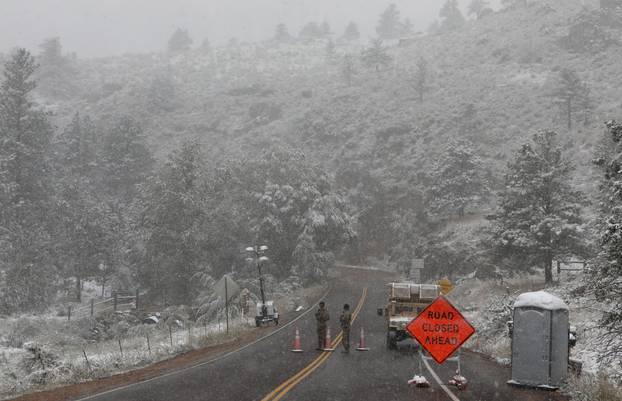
<point>105,27</point>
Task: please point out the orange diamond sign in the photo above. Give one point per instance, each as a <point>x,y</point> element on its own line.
<point>440,329</point>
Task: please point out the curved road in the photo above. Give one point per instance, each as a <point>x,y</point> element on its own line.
<point>269,371</point>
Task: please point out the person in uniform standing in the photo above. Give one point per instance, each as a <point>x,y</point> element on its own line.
<point>346,321</point>
<point>321,317</point>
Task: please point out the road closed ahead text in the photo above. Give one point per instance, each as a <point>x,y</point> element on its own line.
<point>440,329</point>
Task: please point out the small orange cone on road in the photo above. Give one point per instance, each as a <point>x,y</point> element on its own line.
<point>297,347</point>
<point>327,342</point>
<point>362,346</point>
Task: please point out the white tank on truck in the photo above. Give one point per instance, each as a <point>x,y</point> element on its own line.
<point>405,301</point>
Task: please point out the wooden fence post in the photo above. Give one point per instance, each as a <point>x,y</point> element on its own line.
<point>88,364</point>
<point>120,347</point>
<point>69,313</point>
<point>148,344</point>
<point>115,301</point>
<point>92,306</point>
<point>170,334</point>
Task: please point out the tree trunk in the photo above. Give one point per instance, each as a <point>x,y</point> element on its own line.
<point>548,268</point>
<point>78,289</point>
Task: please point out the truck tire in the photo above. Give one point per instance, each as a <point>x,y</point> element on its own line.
<point>391,340</point>
<point>257,322</point>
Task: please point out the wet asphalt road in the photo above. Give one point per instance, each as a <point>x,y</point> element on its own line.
<point>254,372</point>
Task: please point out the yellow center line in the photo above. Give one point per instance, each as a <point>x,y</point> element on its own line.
<point>290,383</point>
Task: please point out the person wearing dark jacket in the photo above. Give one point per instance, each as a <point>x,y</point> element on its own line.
<point>321,317</point>
<point>345,320</point>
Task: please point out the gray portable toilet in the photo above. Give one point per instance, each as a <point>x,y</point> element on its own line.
<point>539,340</point>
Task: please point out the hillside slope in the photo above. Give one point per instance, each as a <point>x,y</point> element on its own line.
<point>492,76</point>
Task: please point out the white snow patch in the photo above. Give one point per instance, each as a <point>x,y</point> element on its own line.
<point>540,299</point>
<point>417,379</point>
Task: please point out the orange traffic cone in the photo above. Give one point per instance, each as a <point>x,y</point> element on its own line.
<point>297,347</point>
<point>328,344</point>
<point>362,346</point>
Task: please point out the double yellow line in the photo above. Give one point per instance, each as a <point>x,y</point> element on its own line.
<point>290,383</point>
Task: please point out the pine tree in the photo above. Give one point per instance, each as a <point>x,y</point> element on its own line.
<point>55,75</point>
<point>539,216</point>
<point>175,245</point>
<point>406,27</point>
<point>83,219</point>
<point>376,56</point>
<point>605,277</point>
<point>311,31</point>
<point>295,211</point>
<point>457,181</point>
<point>571,96</point>
<point>421,78</point>
<point>126,159</point>
<point>161,94</point>
<point>179,41</point>
<point>389,24</point>
<point>26,225</point>
<point>451,16</point>
<point>477,6</point>
<point>282,34</point>
<point>51,52</point>
<point>26,133</point>
<point>348,69</point>
<point>351,32</point>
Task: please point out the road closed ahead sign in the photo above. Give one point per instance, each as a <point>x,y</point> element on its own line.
<point>440,329</point>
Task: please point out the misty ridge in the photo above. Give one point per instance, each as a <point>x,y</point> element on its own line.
<point>479,137</point>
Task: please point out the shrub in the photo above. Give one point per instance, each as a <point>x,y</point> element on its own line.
<point>21,331</point>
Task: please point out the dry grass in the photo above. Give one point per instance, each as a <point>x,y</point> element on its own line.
<point>589,387</point>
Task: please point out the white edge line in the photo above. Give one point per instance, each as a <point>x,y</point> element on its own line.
<point>438,380</point>
<point>221,357</point>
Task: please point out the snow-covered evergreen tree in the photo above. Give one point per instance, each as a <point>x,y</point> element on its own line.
<point>179,41</point>
<point>539,216</point>
<point>451,16</point>
<point>281,35</point>
<point>126,160</point>
<point>84,222</point>
<point>477,6</point>
<point>376,55</point>
<point>421,78</point>
<point>348,69</point>
<point>390,26</point>
<point>606,274</point>
<point>351,32</point>
<point>457,181</point>
<point>571,96</point>
<point>26,226</point>
<point>174,240</point>
<point>311,31</point>
<point>389,23</point>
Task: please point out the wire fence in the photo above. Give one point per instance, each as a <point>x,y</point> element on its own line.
<point>147,344</point>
